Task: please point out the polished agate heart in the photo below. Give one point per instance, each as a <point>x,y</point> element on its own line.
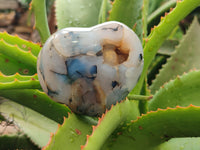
<point>89,69</point>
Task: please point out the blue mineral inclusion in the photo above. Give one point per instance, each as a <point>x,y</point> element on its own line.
<point>77,69</point>
<point>93,70</point>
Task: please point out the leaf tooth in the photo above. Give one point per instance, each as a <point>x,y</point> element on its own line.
<point>159,109</point>
<point>161,18</point>
<point>82,147</point>
<point>34,27</point>
<point>168,108</point>
<point>100,118</point>
<point>166,13</point>
<point>5,32</point>
<point>30,6</point>
<point>59,125</point>
<point>138,118</point>
<point>191,105</point>
<point>1,74</point>
<point>93,127</point>
<point>15,35</point>
<point>51,137</point>
<point>178,77</point>
<point>53,134</point>
<point>146,40</point>
<point>149,112</point>
<point>16,80</point>
<point>87,138</point>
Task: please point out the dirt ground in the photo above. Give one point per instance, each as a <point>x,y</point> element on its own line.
<point>17,19</point>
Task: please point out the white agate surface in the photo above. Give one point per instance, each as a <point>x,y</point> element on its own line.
<point>89,69</point>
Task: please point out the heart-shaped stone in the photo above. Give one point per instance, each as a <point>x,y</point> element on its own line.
<point>89,69</point>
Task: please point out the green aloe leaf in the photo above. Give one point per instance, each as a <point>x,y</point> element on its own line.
<point>18,81</point>
<point>128,12</point>
<point>103,14</point>
<point>34,125</point>
<point>154,18</point>
<point>75,131</point>
<point>153,5</point>
<point>182,91</point>
<point>10,66</point>
<point>37,101</point>
<point>118,115</point>
<point>77,13</point>
<point>180,144</point>
<point>10,78</point>
<point>71,135</point>
<point>160,33</point>
<point>16,142</point>
<point>41,22</point>
<point>22,44</point>
<point>186,57</point>
<point>22,89</point>
<point>168,47</point>
<point>18,54</point>
<point>154,67</point>
<point>155,128</point>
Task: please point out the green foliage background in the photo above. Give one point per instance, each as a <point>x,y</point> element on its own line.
<point>163,114</point>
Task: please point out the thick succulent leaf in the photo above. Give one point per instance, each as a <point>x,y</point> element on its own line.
<point>22,44</point>
<point>16,142</point>
<point>153,5</point>
<point>41,22</point>
<point>118,115</point>
<point>33,124</point>
<point>176,35</point>
<point>180,144</point>
<point>37,101</point>
<point>77,13</point>
<point>143,105</point>
<point>154,18</point>
<point>185,58</point>
<point>10,66</point>
<point>15,52</point>
<point>168,47</point>
<point>182,91</point>
<point>71,135</point>
<point>18,81</point>
<point>17,55</point>
<point>154,67</point>
<point>10,78</point>
<point>154,128</point>
<point>145,8</point>
<point>128,12</point>
<point>103,14</point>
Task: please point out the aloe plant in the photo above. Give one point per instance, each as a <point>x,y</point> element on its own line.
<point>162,115</point>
